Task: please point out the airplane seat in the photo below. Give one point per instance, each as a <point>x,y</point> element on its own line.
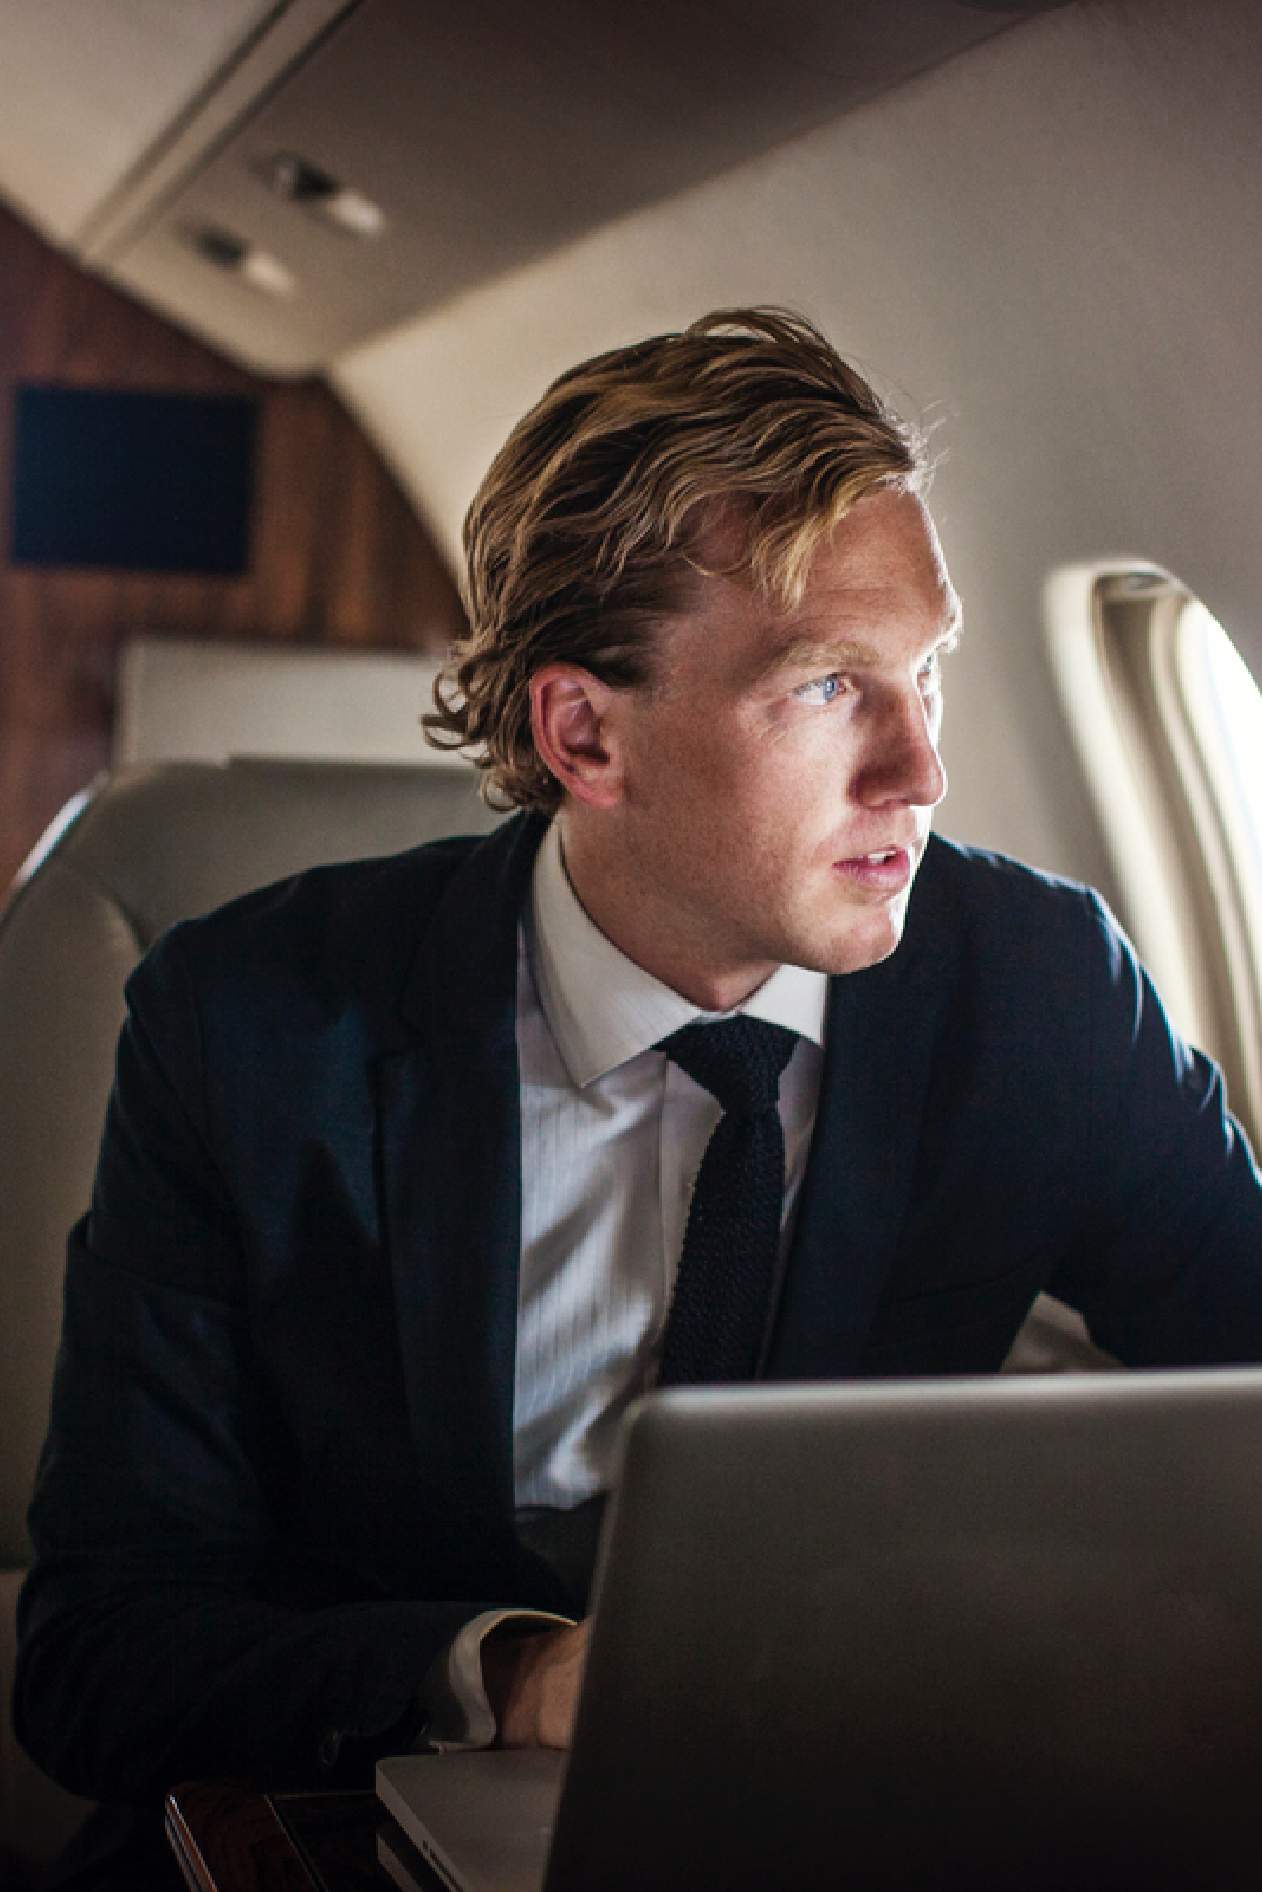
<point>137,851</point>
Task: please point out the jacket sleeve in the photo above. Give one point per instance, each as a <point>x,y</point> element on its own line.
<point>163,1632</point>
<point>1168,1267</point>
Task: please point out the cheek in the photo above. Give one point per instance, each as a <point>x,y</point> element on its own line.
<point>775,821</point>
<point>814,770</point>
<point>658,761</point>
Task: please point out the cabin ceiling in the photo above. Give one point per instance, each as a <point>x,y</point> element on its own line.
<point>144,137</point>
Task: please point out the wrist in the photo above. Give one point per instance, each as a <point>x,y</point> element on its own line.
<point>509,1658</point>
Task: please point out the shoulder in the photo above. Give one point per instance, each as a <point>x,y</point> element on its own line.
<point>987,893</point>
<point>318,938</point>
<point>1013,932</point>
<point>343,892</point>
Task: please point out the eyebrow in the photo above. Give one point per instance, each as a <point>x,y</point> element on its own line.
<point>809,650</point>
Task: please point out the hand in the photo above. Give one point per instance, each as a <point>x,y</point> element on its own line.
<point>532,1683</point>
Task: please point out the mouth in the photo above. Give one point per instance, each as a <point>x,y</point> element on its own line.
<point>886,871</point>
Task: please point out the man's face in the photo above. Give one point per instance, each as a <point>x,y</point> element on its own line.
<point>778,779</point>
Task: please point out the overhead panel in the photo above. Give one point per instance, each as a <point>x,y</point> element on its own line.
<point>87,89</point>
<point>412,152</point>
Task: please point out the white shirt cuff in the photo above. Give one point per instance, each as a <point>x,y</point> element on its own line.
<point>453,1695</point>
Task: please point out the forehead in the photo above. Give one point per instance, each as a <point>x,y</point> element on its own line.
<point>878,584</point>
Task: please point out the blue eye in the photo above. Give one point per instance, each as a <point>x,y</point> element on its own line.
<point>821,690</point>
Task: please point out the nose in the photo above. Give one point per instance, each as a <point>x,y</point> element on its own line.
<point>903,765</point>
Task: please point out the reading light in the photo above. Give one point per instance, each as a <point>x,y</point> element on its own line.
<point>305,184</point>
<point>236,257</point>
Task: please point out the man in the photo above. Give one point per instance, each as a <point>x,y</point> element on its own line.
<point>392,1218</point>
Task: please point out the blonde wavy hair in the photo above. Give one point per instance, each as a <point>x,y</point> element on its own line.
<point>586,531</point>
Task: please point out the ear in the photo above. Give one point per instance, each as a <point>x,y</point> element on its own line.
<point>573,731</point>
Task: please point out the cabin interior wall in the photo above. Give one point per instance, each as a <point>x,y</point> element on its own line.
<point>1051,245</point>
<point>338,554</point>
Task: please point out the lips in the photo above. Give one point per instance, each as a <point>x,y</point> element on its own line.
<point>886,870</point>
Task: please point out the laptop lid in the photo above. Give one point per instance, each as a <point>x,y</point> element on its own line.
<point>1002,1633</point>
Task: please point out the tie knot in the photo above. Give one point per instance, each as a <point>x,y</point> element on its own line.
<point>738,1060</point>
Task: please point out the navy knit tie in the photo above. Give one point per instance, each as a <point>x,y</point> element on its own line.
<point>723,1290</point>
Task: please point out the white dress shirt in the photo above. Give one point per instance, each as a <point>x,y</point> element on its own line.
<point>612,1135</point>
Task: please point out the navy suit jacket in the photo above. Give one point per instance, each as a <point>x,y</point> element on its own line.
<point>279,1469</point>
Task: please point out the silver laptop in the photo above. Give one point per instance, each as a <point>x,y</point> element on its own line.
<point>991,1633</point>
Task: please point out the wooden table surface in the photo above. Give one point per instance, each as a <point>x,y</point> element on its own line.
<point>231,1838</point>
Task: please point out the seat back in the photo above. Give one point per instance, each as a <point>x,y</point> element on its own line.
<point>138,851</point>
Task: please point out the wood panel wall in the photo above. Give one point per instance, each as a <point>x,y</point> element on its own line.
<point>339,556</point>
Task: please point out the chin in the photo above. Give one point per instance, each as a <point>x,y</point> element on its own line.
<point>869,945</point>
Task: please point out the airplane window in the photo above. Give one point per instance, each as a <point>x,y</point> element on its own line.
<point>1168,722</point>
<point>1226,707</point>
<point>1222,708</point>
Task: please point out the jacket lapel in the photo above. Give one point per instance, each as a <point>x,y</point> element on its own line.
<point>451,1185</point>
<point>882,1025</point>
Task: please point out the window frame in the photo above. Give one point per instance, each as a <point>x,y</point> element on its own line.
<point>1120,635</point>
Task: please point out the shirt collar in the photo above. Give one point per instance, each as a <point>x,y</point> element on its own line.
<point>603,1009</point>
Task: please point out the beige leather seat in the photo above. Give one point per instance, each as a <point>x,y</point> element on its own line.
<point>138,851</point>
